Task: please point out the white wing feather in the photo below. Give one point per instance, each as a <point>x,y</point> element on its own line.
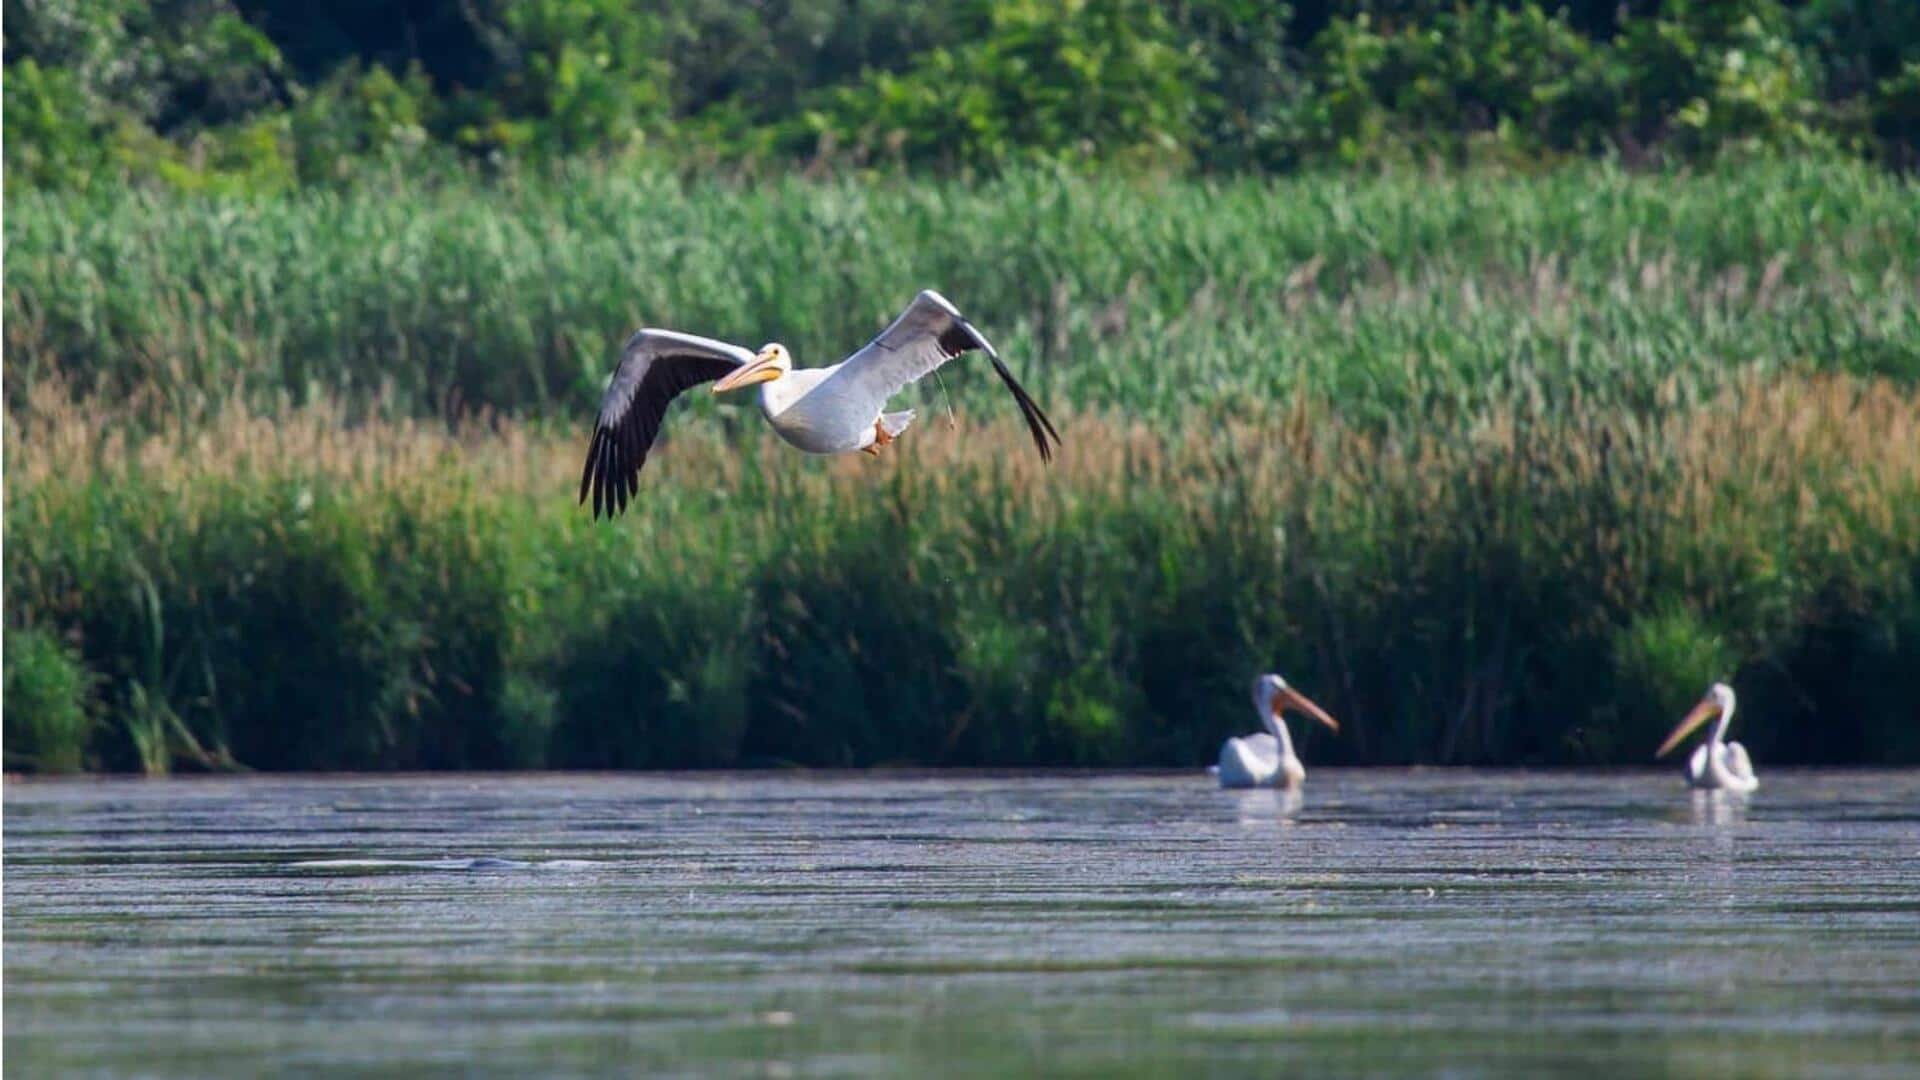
<point>930,332</point>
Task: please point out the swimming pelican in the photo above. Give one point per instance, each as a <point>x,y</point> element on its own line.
<point>1716,763</point>
<point>1267,759</point>
<point>829,410</point>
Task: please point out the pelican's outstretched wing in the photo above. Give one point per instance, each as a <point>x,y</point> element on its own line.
<point>654,368</point>
<point>926,335</point>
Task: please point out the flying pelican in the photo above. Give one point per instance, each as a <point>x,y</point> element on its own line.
<point>1715,763</point>
<point>1267,759</point>
<point>830,410</point>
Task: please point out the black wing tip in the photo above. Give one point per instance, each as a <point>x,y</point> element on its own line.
<point>1037,423</point>
<point>962,337</point>
<point>1039,426</point>
<point>1039,439</point>
<point>602,476</point>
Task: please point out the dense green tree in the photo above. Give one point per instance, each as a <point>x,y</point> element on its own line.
<point>1076,79</point>
<point>267,92</point>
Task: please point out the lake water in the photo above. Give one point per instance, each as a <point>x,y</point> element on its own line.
<point>1391,923</point>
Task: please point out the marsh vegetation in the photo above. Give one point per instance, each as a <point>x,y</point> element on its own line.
<point>1504,468</point>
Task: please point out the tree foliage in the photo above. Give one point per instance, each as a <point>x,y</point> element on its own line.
<point>269,92</point>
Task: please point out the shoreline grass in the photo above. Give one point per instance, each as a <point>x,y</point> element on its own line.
<point>1536,583</point>
<point>1503,467</point>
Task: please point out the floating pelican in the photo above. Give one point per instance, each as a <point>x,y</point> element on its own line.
<point>1716,763</point>
<point>830,410</point>
<point>1267,759</point>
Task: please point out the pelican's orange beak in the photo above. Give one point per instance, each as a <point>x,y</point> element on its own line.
<point>761,370</point>
<point>1288,697</point>
<point>1707,707</point>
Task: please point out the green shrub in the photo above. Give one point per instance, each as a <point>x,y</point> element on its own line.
<point>289,626</point>
<point>1662,663</point>
<point>1758,90</point>
<point>356,116</point>
<point>54,140</point>
<point>1896,114</point>
<point>49,703</point>
<point>1432,86</point>
<point>568,76</point>
<point>249,94</point>
<point>1077,80</point>
<point>656,678</point>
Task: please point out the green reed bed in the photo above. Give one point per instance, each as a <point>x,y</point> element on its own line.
<point>1532,584</point>
<point>1383,294</point>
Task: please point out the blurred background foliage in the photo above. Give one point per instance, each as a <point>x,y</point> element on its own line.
<point>270,93</point>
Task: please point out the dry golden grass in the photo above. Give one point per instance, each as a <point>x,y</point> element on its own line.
<point>1824,443</point>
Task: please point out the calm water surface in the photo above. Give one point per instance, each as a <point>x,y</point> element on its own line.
<point>1391,923</point>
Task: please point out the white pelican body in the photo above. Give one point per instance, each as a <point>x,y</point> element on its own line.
<point>1716,765</point>
<point>1267,759</point>
<point>1261,760</point>
<point>830,410</point>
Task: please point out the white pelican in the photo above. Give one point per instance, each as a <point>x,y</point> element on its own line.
<point>1715,763</point>
<point>830,410</point>
<point>1267,759</point>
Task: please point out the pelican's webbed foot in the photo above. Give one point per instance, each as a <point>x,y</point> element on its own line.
<point>881,437</point>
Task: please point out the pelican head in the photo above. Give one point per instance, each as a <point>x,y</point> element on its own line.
<point>770,363</point>
<point>1271,694</point>
<point>1717,702</point>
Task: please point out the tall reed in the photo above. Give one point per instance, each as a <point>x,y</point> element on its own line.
<point>1537,581</point>
<point>1383,295</point>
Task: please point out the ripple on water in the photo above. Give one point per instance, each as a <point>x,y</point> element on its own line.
<point>480,864</point>
<point>1385,922</point>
